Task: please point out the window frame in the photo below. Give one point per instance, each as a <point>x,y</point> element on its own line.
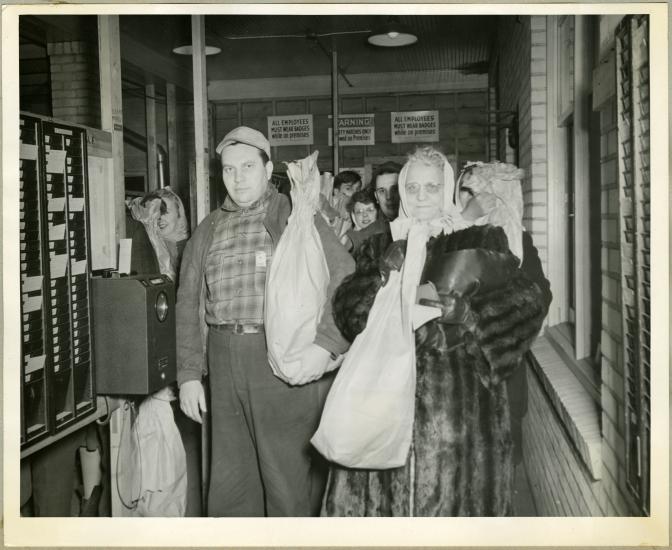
<point>562,111</point>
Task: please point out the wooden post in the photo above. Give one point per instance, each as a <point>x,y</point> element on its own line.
<point>150,119</point>
<point>171,123</point>
<point>111,114</point>
<point>111,120</point>
<point>334,109</point>
<point>200,117</point>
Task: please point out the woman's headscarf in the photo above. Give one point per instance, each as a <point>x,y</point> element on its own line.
<point>450,218</point>
<point>147,210</point>
<point>502,180</point>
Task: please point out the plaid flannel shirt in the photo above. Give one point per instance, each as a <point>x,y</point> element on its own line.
<point>235,274</point>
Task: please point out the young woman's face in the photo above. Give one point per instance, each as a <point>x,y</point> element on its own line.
<point>364,214</point>
<point>424,191</point>
<point>168,221</point>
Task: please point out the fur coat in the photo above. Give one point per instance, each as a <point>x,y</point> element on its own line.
<point>460,462</point>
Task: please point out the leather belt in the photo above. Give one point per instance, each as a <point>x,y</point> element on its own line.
<point>239,328</point>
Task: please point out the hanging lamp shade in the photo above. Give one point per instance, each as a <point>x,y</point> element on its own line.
<point>392,35</point>
<point>187,49</point>
<point>182,44</point>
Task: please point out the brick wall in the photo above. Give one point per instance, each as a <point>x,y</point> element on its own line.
<point>75,82</point>
<point>522,88</point>
<point>561,483</point>
<point>34,79</point>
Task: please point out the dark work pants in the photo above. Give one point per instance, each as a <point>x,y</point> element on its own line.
<point>261,457</point>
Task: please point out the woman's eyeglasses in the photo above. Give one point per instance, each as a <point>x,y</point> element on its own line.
<point>365,210</point>
<point>430,188</point>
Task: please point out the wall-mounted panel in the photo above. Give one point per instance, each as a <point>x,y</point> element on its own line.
<point>57,372</point>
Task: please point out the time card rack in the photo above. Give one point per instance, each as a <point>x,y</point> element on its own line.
<point>57,374</point>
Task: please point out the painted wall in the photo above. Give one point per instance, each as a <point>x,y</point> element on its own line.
<point>521,88</point>
<point>463,130</point>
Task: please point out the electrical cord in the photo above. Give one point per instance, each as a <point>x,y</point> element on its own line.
<point>134,503</point>
<point>105,420</point>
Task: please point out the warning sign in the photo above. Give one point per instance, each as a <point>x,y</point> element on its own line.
<point>290,130</point>
<point>355,130</point>
<point>414,126</point>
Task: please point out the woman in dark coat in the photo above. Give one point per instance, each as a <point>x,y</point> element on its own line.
<point>460,461</point>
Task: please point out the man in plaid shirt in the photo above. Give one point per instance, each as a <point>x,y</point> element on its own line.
<point>261,460</point>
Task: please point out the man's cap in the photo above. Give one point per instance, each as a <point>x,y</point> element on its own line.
<point>248,136</point>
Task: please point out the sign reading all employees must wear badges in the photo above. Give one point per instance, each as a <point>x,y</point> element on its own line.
<point>290,130</point>
<point>415,126</point>
<point>355,130</point>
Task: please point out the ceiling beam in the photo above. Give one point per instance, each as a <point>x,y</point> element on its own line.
<point>305,86</point>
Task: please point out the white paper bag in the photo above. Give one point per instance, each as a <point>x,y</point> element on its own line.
<point>367,421</point>
<point>153,480</point>
<point>297,281</point>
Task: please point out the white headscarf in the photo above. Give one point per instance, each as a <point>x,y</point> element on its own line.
<point>450,218</point>
<point>147,210</point>
<point>502,180</point>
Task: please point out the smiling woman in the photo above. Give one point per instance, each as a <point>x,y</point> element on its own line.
<point>162,214</point>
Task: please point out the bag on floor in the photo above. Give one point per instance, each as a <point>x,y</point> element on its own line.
<point>154,480</point>
<point>367,421</point>
<point>298,277</point>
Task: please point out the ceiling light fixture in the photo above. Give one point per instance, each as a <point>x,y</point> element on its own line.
<point>182,44</point>
<point>187,49</point>
<point>392,35</point>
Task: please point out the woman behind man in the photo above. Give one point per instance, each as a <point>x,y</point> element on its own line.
<point>460,461</point>
<point>366,220</point>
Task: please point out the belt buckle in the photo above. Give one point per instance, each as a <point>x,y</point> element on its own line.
<point>238,328</point>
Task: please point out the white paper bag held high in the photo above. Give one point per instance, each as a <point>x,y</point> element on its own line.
<point>296,286</point>
<point>367,420</point>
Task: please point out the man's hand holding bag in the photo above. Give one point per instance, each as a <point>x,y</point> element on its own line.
<point>296,287</point>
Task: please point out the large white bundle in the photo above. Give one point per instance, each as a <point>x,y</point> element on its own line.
<point>367,421</point>
<point>153,482</point>
<point>296,287</point>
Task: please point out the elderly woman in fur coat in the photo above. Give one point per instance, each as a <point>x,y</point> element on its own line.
<point>460,461</point>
